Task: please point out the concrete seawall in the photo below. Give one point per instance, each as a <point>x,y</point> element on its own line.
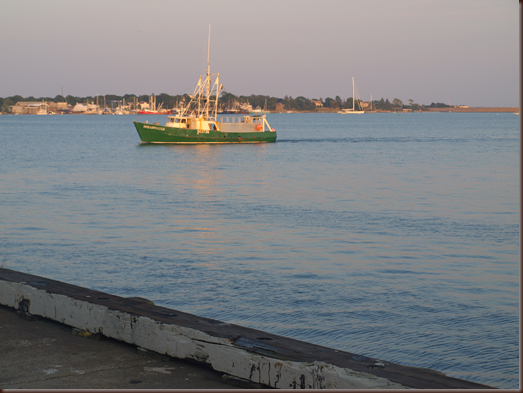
<point>241,352</point>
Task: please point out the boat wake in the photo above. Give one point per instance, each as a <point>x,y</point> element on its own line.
<point>382,140</point>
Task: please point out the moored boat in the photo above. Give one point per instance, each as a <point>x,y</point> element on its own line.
<point>152,109</point>
<point>353,110</point>
<point>258,111</point>
<point>145,112</point>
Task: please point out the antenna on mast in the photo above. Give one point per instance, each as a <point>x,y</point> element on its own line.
<point>208,49</point>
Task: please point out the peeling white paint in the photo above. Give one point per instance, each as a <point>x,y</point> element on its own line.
<point>182,342</point>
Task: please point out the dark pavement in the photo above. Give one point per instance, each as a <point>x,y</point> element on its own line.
<point>44,354</point>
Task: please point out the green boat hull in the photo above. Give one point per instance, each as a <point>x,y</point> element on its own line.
<point>154,133</point>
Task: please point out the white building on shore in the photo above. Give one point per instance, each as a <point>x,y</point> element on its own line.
<point>29,108</point>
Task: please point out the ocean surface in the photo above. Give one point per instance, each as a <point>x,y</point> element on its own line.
<point>390,236</point>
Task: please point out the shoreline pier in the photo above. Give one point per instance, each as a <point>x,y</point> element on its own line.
<point>241,355</point>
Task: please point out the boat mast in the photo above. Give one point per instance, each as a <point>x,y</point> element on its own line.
<point>353,94</point>
<point>208,87</point>
<point>201,98</point>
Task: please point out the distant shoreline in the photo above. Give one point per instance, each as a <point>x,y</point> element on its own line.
<point>492,109</point>
<point>453,110</point>
<point>433,110</point>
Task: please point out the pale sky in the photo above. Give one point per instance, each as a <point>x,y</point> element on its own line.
<point>465,51</point>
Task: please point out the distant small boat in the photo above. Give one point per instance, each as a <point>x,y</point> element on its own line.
<point>372,108</point>
<point>154,112</point>
<point>515,113</point>
<point>152,108</point>
<point>42,110</point>
<point>259,111</point>
<point>228,111</point>
<point>348,111</point>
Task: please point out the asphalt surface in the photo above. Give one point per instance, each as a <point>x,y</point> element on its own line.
<point>44,354</point>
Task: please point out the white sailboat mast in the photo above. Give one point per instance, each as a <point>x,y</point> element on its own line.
<point>353,94</point>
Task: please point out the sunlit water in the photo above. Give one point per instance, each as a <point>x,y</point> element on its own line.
<point>395,237</point>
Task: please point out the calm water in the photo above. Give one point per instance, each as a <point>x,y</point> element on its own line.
<point>395,237</point>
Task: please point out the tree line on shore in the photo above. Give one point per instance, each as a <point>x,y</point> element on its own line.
<point>231,101</point>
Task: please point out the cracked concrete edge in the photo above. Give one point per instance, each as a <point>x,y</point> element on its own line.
<point>186,343</point>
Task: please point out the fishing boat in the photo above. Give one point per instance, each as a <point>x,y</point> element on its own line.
<point>198,122</point>
<point>348,111</point>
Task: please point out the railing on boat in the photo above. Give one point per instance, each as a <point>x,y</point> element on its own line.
<point>260,121</point>
<point>235,119</point>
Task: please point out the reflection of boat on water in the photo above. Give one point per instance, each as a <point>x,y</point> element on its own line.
<point>347,111</point>
<point>198,122</point>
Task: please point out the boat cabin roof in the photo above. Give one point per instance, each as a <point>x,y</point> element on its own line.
<point>184,119</point>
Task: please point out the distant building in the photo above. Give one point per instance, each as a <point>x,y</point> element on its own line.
<point>28,108</point>
<point>364,104</point>
<point>246,106</point>
<point>318,103</point>
<point>58,107</point>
